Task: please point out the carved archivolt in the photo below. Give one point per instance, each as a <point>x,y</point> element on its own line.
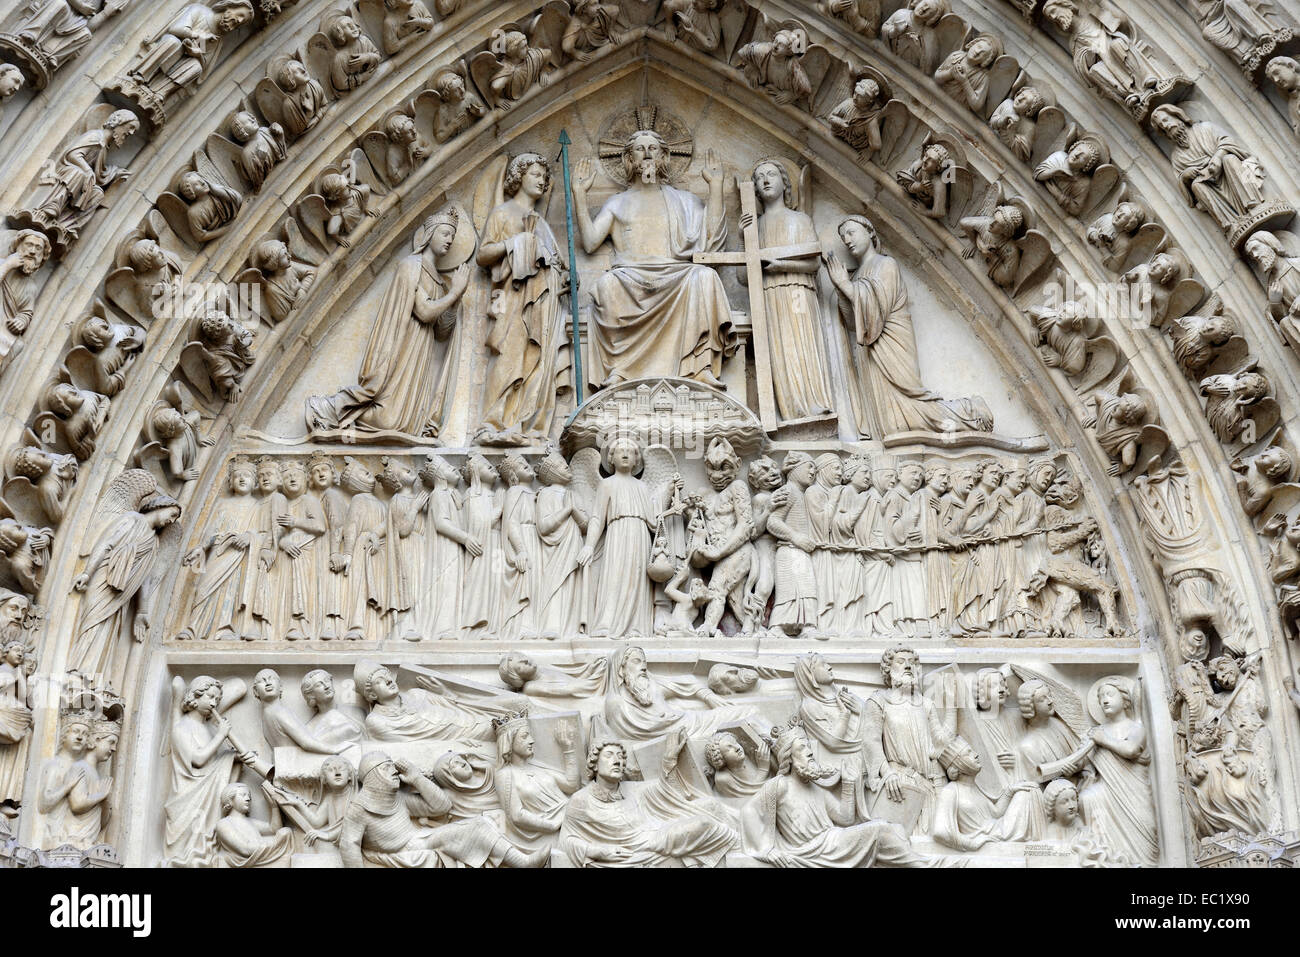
<point>773,458</point>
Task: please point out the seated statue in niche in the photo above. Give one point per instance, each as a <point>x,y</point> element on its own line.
<point>203,207</point>
<point>806,816</point>
<point>405,22</point>
<point>284,280</point>
<point>655,311</point>
<point>290,96</point>
<point>28,251</point>
<point>26,552</point>
<point>775,67</point>
<point>400,387</point>
<point>218,356</point>
<point>1110,57</point>
<point>927,179</point>
<point>887,392</point>
<point>378,829</point>
<point>104,352</point>
<point>54,32</point>
<point>1217,175</point>
<point>1068,173</point>
<point>698,22</point>
<point>78,178</point>
<point>1247,30</point>
<point>183,55</point>
<point>244,841</point>
<point>1280,267</point>
<point>862,16</point>
<point>510,66</point>
<point>659,824</point>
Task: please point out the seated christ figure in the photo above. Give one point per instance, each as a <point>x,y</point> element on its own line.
<point>656,312</point>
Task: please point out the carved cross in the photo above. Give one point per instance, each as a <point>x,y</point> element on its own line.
<point>752,258</point>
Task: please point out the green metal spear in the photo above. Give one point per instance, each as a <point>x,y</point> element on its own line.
<point>573,271</point>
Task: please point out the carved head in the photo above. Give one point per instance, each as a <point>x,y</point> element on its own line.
<point>1131,409</point>
<point>900,667</point>
<point>269,476</point>
<point>725,679</point>
<point>1129,217</point>
<point>356,478</point>
<point>1061,13</point>
<point>928,12</point>
<point>799,469</point>
<point>514,737</point>
<point>292,75</point>
<point>983,50</point>
<point>786,44</point>
<point>32,248</point>
<point>528,172</point>
<point>554,470</point>
<point>336,773</point>
<point>934,157</point>
<point>105,734</point>
<point>1265,250</point>
<point>215,327</point>
<point>243,126</point>
<point>1084,156</point>
<point>232,14</point>
<point>857,471</point>
<point>393,476</point>
<point>334,187</point>
<point>374,682</point>
<point>516,669</point>
<point>721,463</point>
<point>1115,700</point>
<point>1008,221</point>
<point>343,30</point>
<point>14,652</point>
<point>625,455</point>
<point>1016,480</point>
<point>772,182</point>
<point>865,92</point>
<point>400,128</point>
<point>859,235</point>
<point>634,675</point>
<point>1042,472</point>
<point>11,80</point>
<point>1274,462</point>
<point>452,770</point>
<point>145,256</point>
<point>1226,671</point>
<point>76,734</point>
<point>1283,71</point>
<point>477,467</point>
<point>161,510</point>
<point>203,696</point>
<point>1061,801</point>
<point>96,333</point>
<point>990,688</point>
<point>1066,490</point>
<point>1028,102</point>
<point>270,256</point>
<point>317,689</point>
<point>646,157</point>
<point>450,87</point>
<point>121,125</point>
<point>192,186</point>
<point>1173,123</point>
<point>1035,698</point>
<point>435,467</point>
<point>724,751</point>
<point>606,760</point>
<point>884,477</point>
<point>323,473</point>
<point>31,462</point>
<point>378,771</point>
<point>764,476</point>
<point>958,759</point>
<point>441,229</point>
<point>267,685</point>
<point>515,470</point>
<point>911,475</point>
<point>938,478</point>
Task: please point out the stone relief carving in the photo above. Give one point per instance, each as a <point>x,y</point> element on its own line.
<point>47,36</point>
<point>28,251</point>
<point>344,58</point>
<point>456,106</point>
<point>544,548</point>
<point>290,96</point>
<point>1247,30</point>
<point>181,56</point>
<point>76,179</point>
<point>1110,57</point>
